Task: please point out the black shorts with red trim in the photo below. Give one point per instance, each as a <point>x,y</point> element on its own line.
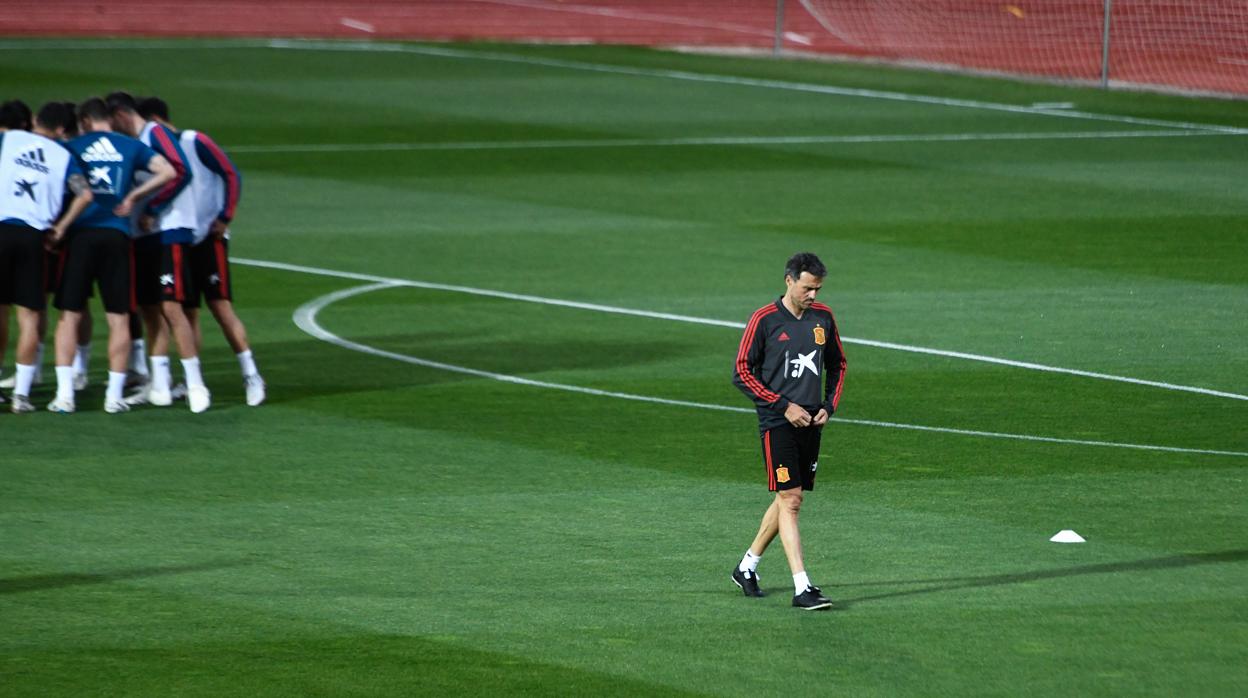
<point>791,455</point>
<point>147,254</point>
<point>210,265</point>
<point>96,255</point>
<point>22,267</point>
<point>177,278</point>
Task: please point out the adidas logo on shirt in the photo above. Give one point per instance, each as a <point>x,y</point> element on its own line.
<point>102,151</point>
<point>33,159</point>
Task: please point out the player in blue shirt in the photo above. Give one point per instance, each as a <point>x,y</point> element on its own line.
<point>98,248</point>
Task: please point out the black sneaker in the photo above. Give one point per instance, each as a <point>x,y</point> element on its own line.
<point>748,581</point>
<point>811,600</point>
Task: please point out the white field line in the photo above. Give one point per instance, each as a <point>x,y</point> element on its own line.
<point>305,319</point>
<point>595,307</point>
<point>387,47</point>
<point>711,141</point>
<point>444,52</point>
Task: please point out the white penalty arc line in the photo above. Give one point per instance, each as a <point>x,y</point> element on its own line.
<point>713,141</point>
<point>305,319</point>
<point>596,307</point>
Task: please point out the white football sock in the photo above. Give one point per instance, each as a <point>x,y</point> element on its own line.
<point>25,377</point>
<point>138,357</point>
<point>247,363</point>
<point>193,375</point>
<point>160,373</point>
<point>82,358</point>
<point>65,383</point>
<point>749,563</point>
<point>116,383</point>
<point>800,582</point>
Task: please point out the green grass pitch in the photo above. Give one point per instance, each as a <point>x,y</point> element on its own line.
<point>385,528</point>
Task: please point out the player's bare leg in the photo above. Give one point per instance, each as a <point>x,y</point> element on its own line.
<point>26,351</point>
<point>82,353</point>
<point>180,327</point>
<point>745,575</point>
<point>236,334</point>
<point>231,326</point>
<point>156,391</point>
<point>10,383</point>
<point>767,530</point>
<point>807,596</point>
<point>788,503</point>
<point>65,343</point>
<point>192,316</point>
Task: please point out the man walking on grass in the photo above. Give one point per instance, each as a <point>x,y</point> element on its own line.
<point>792,365</point>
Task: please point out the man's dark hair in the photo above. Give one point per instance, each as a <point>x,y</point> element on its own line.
<point>153,106</point>
<point>71,126</point>
<point>121,101</point>
<point>15,114</point>
<point>54,115</point>
<point>804,262</point>
<point>94,109</point>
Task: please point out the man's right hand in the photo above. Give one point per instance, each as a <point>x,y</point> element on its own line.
<point>797,416</point>
<point>52,238</point>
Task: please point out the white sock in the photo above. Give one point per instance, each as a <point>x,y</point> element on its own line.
<point>25,377</point>
<point>247,363</point>
<point>138,357</point>
<point>39,356</point>
<point>82,358</point>
<point>116,383</point>
<point>193,375</point>
<point>65,383</point>
<point>160,373</point>
<point>800,582</point>
<point>749,563</point>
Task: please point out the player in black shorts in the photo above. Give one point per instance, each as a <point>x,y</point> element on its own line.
<point>98,249</point>
<point>42,190</point>
<point>217,188</point>
<point>791,364</point>
<point>14,114</point>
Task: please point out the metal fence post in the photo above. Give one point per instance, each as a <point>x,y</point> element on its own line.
<point>779,47</point>
<point>1109,6</point>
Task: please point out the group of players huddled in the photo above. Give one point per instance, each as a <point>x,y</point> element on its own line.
<point>108,193</point>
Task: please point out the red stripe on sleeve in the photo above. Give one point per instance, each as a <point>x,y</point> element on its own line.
<point>170,151</point>
<point>232,188</point>
<point>743,367</point>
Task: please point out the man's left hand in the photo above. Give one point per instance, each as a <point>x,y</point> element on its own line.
<point>821,418</point>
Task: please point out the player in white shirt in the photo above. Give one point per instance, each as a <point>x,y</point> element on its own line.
<point>216,186</point>
<point>174,208</point>
<point>14,114</point>
<point>35,173</point>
